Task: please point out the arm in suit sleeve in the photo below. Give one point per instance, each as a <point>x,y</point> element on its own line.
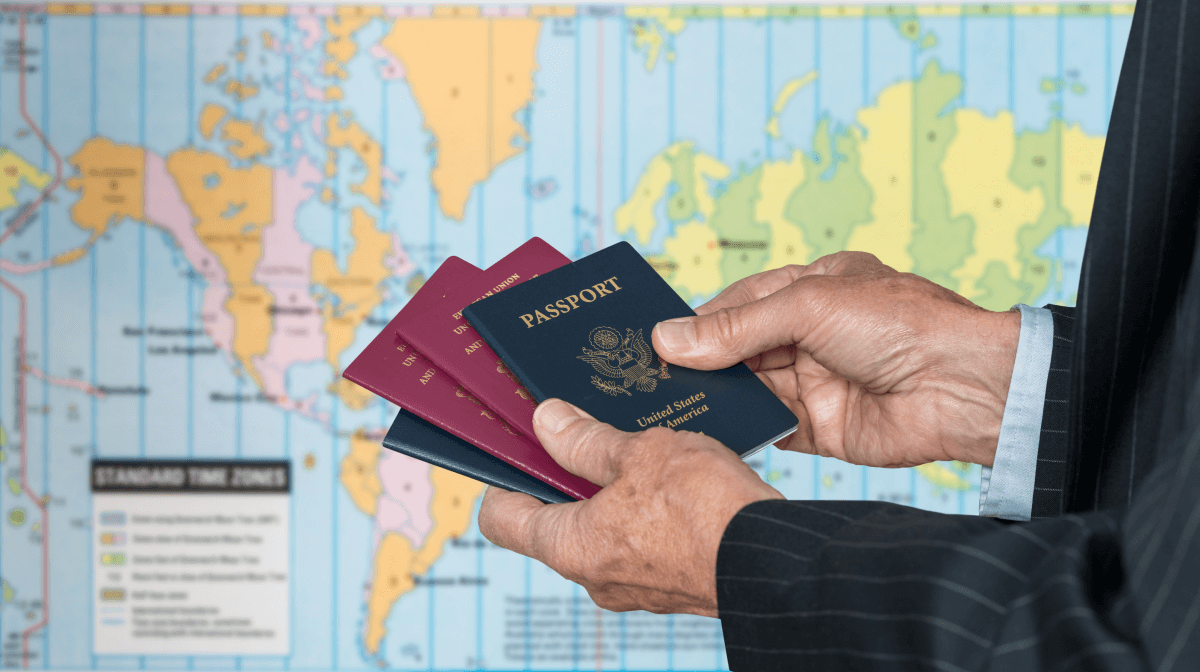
<point>873,585</point>
<point>1006,489</point>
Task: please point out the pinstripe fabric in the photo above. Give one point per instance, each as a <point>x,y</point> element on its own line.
<point>1052,449</point>
<point>1104,577</point>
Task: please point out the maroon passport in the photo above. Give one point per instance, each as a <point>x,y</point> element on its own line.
<point>394,370</point>
<point>442,334</point>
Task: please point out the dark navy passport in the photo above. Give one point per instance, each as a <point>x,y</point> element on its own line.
<point>427,442</point>
<point>581,333</point>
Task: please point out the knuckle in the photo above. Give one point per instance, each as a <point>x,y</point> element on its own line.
<point>724,327</point>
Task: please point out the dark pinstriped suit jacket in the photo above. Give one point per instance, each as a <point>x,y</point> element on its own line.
<point>1107,575</point>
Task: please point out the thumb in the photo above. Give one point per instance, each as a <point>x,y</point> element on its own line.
<point>737,333</point>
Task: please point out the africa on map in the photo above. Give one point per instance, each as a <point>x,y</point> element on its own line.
<point>207,211</point>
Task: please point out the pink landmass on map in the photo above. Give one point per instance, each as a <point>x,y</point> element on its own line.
<point>301,116</point>
<point>286,271</point>
<point>281,122</point>
<point>165,208</point>
<point>390,67</point>
<point>318,128</point>
<point>311,27</point>
<point>311,92</point>
<point>407,492</point>
<point>398,260</point>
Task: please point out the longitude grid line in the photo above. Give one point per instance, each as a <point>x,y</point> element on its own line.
<point>94,323</point>
<point>1,424</point>
<point>142,242</point>
<point>46,320</point>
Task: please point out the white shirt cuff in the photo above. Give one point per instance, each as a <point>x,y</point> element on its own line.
<point>1006,489</point>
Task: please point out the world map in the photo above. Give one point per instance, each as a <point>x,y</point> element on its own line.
<point>208,211</point>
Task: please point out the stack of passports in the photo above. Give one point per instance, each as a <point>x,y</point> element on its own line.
<point>474,351</point>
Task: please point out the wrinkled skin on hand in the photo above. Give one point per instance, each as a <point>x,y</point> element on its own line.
<point>649,539</point>
<point>882,368</point>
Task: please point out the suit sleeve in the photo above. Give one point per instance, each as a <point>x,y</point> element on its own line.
<point>1050,475</point>
<point>874,585</point>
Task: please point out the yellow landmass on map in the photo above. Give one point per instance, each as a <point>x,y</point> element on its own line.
<point>648,32</point>
<point>357,290</point>
<point>453,503</point>
<point>359,474</point>
<point>342,132</point>
<point>231,206</point>
<point>975,172</point>
<point>391,578</point>
<point>697,255</point>
<point>241,90</point>
<point>111,179</point>
<point>215,73</point>
<point>447,63</point>
<point>704,168</point>
<point>1081,155</point>
<point>785,94</point>
<point>944,477</point>
<point>354,397</point>
<point>245,139</point>
<point>210,117</point>
<point>887,158</point>
<point>333,93</point>
<point>268,40</point>
<point>779,180</point>
<point>13,171</point>
<point>396,564</point>
<point>637,213</point>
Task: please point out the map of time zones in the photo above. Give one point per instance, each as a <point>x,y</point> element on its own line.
<point>207,211</point>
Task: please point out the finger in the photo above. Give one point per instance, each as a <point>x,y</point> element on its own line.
<point>518,522</point>
<point>735,334</point>
<point>752,288</point>
<point>583,445</point>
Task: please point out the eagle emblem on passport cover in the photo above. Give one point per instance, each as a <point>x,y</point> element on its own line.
<point>580,333</point>
<point>628,360</point>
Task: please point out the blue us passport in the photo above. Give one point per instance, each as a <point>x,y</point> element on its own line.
<point>581,333</point>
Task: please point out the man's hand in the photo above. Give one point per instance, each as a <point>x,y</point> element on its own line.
<point>649,539</point>
<point>882,368</point>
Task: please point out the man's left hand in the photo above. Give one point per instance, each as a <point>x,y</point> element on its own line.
<point>649,539</point>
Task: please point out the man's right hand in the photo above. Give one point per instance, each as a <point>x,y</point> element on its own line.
<point>882,368</point>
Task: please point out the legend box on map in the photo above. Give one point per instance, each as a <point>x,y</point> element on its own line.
<point>191,557</point>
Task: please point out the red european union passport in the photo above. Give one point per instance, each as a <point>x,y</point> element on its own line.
<point>581,333</point>
<point>440,332</point>
<point>391,368</point>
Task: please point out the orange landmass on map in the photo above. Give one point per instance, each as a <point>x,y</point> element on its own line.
<point>341,47</point>
<point>111,181</point>
<point>396,563</point>
<point>210,117</point>
<point>245,139</point>
<point>359,474</point>
<point>470,77</point>
<point>344,133</point>
<point>231,206</point>
<point>356,290</point>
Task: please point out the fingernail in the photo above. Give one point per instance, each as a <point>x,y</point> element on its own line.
<point>677,335</point>
<point>554,415</point>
